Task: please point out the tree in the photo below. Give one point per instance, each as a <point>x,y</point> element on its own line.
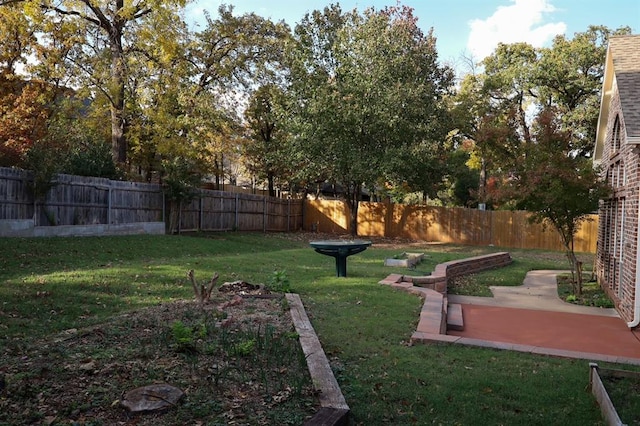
<point>496,109</point>
<point>366,87</point>
<point>509,83</point>
<point>18,38</point>
<point>569,77</point>
<point>99,37</point>
<point>482,130</point>
<point>180,182</point>
<point>558,187</point>
<point>267,150</point>
<point>23,118</point>
<point>232,57</point>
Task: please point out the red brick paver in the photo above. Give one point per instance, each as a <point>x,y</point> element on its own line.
<point>589,334</point>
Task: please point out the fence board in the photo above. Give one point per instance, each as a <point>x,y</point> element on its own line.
<point>224,211</point>
<point>447,225</point>
<point>15,200</point>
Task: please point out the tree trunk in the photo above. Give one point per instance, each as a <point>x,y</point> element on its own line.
<point>482,182</point>
<point>579,278</point>
<point>118,140</point>
<point>576,266</point>
<point>216,167</point>
<point>353,198</point>
<point>270,179</point>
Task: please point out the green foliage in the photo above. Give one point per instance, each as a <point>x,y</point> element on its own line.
<point>590,295</point>
<point>181,178</point>
<point>279,282</point>
<point>245,347</point>
<point>569,75</point>
<point>45,161</point>
<point>85,149</point>
<point>490,109</point>
<point>91,159</point>
<point>267,152</point>
<point>367,89</point>
<point>183,337</point>
<point>557,186</point>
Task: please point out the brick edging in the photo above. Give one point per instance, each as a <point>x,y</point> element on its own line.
<point>433,288</point>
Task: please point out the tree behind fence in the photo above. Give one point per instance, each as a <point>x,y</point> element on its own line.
<point>77,200</point>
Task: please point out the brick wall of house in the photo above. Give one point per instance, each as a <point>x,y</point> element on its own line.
<point>618,226</point>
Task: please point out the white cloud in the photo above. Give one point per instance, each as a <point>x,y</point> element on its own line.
<point>521,21</point>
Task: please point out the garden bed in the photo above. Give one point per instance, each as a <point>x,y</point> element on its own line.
<point>241,364</point>
<point>617,393</point>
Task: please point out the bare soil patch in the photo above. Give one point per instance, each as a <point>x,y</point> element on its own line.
<point>237,359</point>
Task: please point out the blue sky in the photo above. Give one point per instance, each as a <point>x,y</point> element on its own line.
<point>464,27</point>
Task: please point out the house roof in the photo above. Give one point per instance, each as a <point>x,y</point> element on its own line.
<point>622,70</point>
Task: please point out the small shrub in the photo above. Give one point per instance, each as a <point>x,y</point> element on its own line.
<point>245,348</point>
<point>183,337</point>
<point>279,282</point>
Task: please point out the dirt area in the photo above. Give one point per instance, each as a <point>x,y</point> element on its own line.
<point>237,360</point>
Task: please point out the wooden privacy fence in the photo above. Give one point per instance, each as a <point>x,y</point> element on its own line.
<point>226,211</point>
<point>448,225</point>
<point>77,200</point>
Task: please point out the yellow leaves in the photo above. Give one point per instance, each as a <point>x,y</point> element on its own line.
<point>475,161</point>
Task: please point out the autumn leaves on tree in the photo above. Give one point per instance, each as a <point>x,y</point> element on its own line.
<point>355,99</point>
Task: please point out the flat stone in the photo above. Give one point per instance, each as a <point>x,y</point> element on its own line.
<point>154,397</point>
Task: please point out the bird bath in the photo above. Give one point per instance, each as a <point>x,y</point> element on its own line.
<point>340,249</point>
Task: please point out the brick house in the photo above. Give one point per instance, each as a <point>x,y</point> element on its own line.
<point>617,153</point>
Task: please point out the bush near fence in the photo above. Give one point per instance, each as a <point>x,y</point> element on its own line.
<point>447,225</point>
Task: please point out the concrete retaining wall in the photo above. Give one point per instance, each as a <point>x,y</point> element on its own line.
<point>26,228</point>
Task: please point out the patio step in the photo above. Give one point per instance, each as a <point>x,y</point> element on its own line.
<point>455,320</point>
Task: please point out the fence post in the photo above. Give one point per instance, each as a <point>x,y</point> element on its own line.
<point>109,205</point>
<point>200,213</point>
<point>221,216</point>
<point>236,219</point>
<point>264,214</point>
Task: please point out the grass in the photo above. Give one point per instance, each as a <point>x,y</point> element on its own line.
<point>51,285</point>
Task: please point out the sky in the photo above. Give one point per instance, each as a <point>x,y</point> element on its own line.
<point>463,28</point>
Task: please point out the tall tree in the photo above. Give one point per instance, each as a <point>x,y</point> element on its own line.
<point>558,187</point>
<point>231,57</point>
<point>104,35</point>
<point>569,77</point>
<point>496,109</point>
<point>24,113</point>
<point>509,83</point>
<point>267,148</point>
<point>367,87</point>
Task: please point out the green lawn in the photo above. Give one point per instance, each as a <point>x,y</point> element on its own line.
<point>50,285</point>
